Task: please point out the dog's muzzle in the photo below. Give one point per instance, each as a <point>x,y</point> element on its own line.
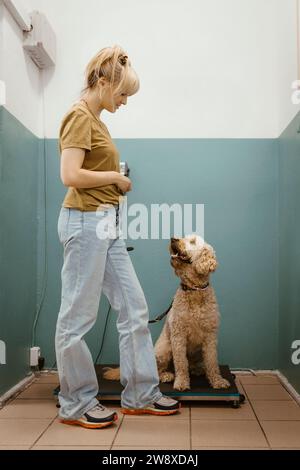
<point>176,254</point>
<point>184,259</point>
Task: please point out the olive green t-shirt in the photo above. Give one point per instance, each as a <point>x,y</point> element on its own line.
<point>81,128</point>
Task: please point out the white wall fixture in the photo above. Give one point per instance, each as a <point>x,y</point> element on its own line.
<point>35,353</point>
<point>40,43</point>
<point>18,10</point>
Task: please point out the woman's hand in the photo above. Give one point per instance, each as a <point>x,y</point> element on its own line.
<point>123,183</point>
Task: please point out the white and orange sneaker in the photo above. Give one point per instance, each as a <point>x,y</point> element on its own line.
<point>96,418</point>
<point>163,407</point>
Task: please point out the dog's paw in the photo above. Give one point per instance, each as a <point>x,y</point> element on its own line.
<point>166,377</point>
<point>219,382</point>
<point>181,384</point>
<point>110,373</point>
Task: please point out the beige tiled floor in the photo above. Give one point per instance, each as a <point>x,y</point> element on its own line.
<point>269,419</point>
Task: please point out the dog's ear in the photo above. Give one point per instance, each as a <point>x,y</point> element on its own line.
<point>206,262</point>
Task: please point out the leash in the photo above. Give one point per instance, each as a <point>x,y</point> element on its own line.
<point>160,317</point>
<point>184,287</point>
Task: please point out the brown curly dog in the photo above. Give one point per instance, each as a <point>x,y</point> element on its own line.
<point>188,341</point>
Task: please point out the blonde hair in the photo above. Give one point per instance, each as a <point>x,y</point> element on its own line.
<point>113,64</point>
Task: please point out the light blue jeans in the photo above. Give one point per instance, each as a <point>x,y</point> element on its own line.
<point>95,262</point>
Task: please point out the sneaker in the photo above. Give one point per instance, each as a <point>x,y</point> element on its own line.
<point>97,417</point>
<point>164,406</point>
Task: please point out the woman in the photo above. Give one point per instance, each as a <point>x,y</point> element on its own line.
<point>95,262</point>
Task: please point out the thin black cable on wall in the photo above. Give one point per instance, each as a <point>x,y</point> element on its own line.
<point>45,276</point>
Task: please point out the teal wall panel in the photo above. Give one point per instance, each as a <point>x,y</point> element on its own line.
<point>289,250</point>
<point>18,240</point>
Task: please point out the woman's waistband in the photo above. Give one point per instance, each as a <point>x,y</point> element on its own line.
<point>100,207</point>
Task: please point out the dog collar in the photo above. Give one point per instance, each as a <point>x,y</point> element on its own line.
<point>184,260</point>
<point>185,287</point>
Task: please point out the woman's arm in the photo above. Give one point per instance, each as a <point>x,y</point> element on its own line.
<point>72,173</point>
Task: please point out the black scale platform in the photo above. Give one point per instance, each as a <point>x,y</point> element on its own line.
<point>200,388</point>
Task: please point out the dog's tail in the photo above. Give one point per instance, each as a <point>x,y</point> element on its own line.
<point>111,373</point>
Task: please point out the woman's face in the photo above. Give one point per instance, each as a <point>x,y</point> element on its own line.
<point>111,100</point>
<point>120,99</point>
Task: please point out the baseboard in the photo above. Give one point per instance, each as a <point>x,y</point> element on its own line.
<point>16,390</point>
<point>286,384</point>
<point>282,379</point>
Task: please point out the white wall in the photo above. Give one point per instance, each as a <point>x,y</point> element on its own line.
<point>208,68</point>
<point>287,62</point>
<point>21,76</point>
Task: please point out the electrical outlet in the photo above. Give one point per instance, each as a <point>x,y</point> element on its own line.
<point>35,353</point>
